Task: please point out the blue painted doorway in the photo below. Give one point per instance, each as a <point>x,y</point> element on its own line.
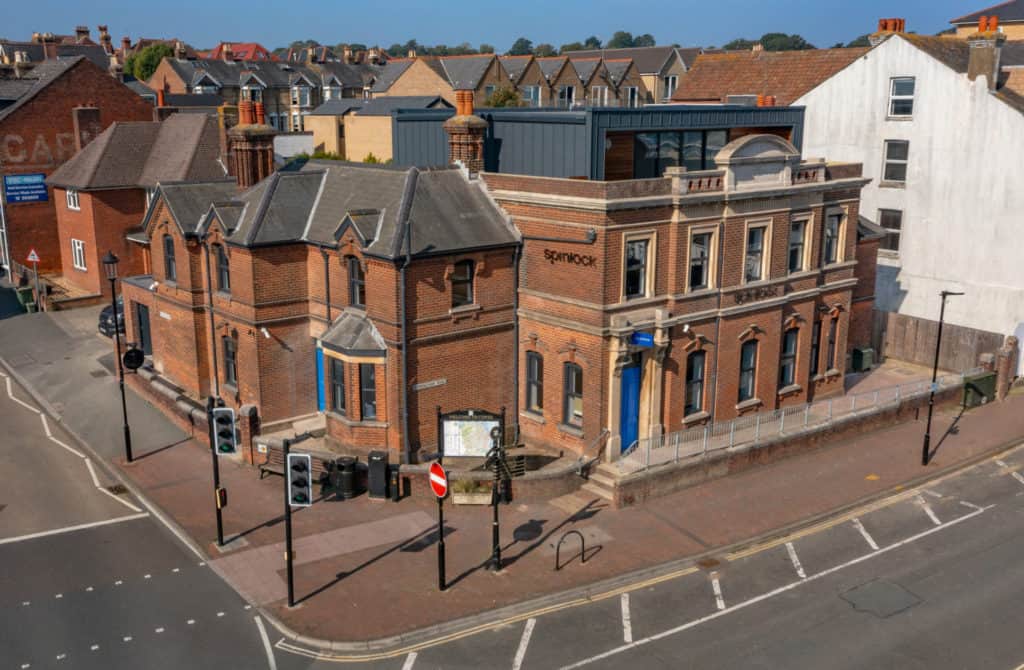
<point>629,409</point>
<point>320,404</point>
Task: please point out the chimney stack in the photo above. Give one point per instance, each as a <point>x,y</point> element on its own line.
<point>126,46</point>
<point>373,55</point>
<point>346,54</point>
<point>985,51</point>
<point>49,46</point>
<point>179,50</point>
<point>228,53</point>
<point>757,47</point>
<point>105,41</point>
<point>250,146</point>
<point>81,33</point>
<point>887,27</point>
<point>411,53</point>
<point>466,133</point>
<point>86,123</point>
<point>259,113</point>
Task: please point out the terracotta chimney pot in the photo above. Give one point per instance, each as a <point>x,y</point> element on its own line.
<point>245,113</point>
<point>261,118</point>
<point>993,23</point>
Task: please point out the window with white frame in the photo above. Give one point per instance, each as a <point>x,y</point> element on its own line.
<point>669,84</point>
<point>252,93</point>
<point>566,96</point>
<point>209,89</point>
<point>901,96</point>
<point>71,196</point>
<point>754,259</point>
<point>300,96</point>
<point>830,238</point>
<point>700,260</point>
<point>78,254</point>
<point>332,93</point>
<point>892,221</point>
<point>599,96</point>
<point>531,96</point>
<point>296,122</point>
<point>797,245</point>
<point>637,274</point>
<point>632,98</point>
<point>897,153</point>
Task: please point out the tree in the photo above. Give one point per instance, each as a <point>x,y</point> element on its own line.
<point>521,47</point>
<point>861,41</point>
<point>645,40</point>
<point>571,46</point>
<point>506,96</point>
<point>486,48</point>
<point>544,50</point>
<point>620,40</point>
<point>784,42</point>
<point>147,60</point>
<point>592,42</point>
<point>740,44</point>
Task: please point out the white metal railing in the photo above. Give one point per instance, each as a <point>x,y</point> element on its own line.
<point>753,429</point>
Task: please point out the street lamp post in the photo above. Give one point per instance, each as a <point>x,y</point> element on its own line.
<point>926,447</point>
<point>110,262</point>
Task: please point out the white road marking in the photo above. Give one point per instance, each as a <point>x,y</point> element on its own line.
<point>795,560</point>
<point>717,588</point>
<point>524,642</point>
<point>59,595</point>
<point>25,665</point>
<point>202,563</point>
<point>190,622</point>
<point>271,661</point>
<point>127,638</point>
<point>627,623</point>
<point>46,426</point>
<point>10,394</point>
<point>159,630</point>
<point>1001,463</point>
<point>118,583</point>
<point>1016,475</point>
<point>49,435</point>
<point>69,529</point>
<point>94,647</point>
<point>25,603</point>
<point>220,614</point>
<point>88,588</point>
<point>863,531</point>
<point>928,510</point>
<point>933,494</point>
<point>176,570</point>
<point>772,594</point>
<point>970,505</point>
<point>247,608</point>
<point>147,576</point>
<point>61,657</point>
<point>410,660</point>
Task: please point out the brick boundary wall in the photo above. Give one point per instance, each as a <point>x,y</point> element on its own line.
<point>640,487</point>
<point>533,487</point>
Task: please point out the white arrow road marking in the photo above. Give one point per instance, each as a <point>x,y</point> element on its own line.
<point>795,560</point>
<point>410,660</point>
<point>271,661</point>
<point>627,624</point>
<point>717,588</point>
<point>517,663</point>
<point>928,510</point>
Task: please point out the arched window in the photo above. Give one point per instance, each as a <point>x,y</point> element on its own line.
<point>748,369</point>
<point>462,284</point>
<point>694,383</point>
<point>572,385</point>
<point>356,282</point>
<point>223,269</point>
<point>170,270</point>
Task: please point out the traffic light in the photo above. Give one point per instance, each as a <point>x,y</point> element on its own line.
<point>300,482</point>
<point>225,437</point>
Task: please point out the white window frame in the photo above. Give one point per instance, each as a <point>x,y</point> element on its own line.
<point>805,255</point>
<point>895,161</point>
<point>897,232</point>
<point>78,255</point>
<point>252,93</point>
<point>840,213</point>
<point>650,270</point>
<point>632,96</point>
<point>711,263</point>
<point>893,97</point>
<point>71,198</point>
<point>296,122</point>
<point>530,99</point>
<point>301,96</point>
<point>567,95</point>
<point>766,250</point>
<point>208,89</point>
<point>669,83</point>
<point>332,93</point>
<point>601,97</point>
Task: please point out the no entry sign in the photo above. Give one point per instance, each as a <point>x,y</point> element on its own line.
<point>438,480</point>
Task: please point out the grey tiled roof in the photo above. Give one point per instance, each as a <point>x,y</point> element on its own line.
<point>274,74</point>
<point>1006,11</point>
<point>391,71</point>
<point>549,67</point>
<point>140,88</point>
<point>585,67</point>
<point>337,107</point>
<point>649,60</point>
<point>353,333</point>
<point>617,70</point>
<point>42,75</point>
<point>386,105</point>
<point>184,147</point>
<point>465,72</point>
<point>37,54</point>
<point>514,66</point>
<point>1012,54</point>
<point>189,202</point>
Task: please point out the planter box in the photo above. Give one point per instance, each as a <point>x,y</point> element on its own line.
<point>472,498</point>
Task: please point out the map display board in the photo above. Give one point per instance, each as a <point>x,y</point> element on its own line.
<point>468,437</point>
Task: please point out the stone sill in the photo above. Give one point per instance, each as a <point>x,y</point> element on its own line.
<point>696,417</point>
<point>571,430</point>
<point>833,373</point>
<point>747,404</point>
<point>892,184</point>
<point>341,418</point>
<point>533,416</point>
<point>789,390</point>
<point>464,311</point>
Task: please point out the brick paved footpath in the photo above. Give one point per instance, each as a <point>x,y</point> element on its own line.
<point>367,569</point>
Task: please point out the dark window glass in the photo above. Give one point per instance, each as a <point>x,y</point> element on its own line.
<point>830,353</point>
<point>896,156</point>
<point>645,156</point>
<point>714,140</point>
<point>338,385</point>
<point>753,266</point>
<point>170,269</point>
<point>368,391</point>
<point>892,221</point>
<point>694,383</point>
<point>901,98</point>
<point>700,266</point>
<point>796,246</point>
<point>572,409</point>
<point>748,367</point>
<point>223,269</point>
<point>534,381</point>
<point>462,284</point>
<point>636,268</point>
<point>230,361</point>
<point>693,150</point>
<point>830,243</point>
<point>815,347</point>
<point>787,361</point>
<point>356,282</point>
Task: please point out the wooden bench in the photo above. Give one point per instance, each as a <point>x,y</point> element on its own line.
<point>273,463</point>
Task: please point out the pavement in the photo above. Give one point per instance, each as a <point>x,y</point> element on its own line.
<point>366,570</point>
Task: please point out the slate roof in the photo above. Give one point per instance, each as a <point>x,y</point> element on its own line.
<point>353,333</point>
<point>189,202</point>
<point>1006,11</point>
<point>193,100</point>
<point>785,74</point>
<point>42,75</point>
<point>1012,54</point>
<point>184,147</point>
<point>648,60</point>
<point>337,107</point>
<point>550,66</point>
<point>464,72</point>
<point>514,66</point>
<point>37,54</point>
<point>392,70</point>
<point>689,55</point>
<point>274,74</point>
<point>386,105</point>
<point>140,88</point>
<point>953,51</point>
<point>617,70</point>
<point>585,67</point>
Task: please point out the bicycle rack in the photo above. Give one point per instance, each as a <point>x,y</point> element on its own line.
<point>558,548</point>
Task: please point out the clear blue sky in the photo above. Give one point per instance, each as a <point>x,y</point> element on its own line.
<point>203,23</point>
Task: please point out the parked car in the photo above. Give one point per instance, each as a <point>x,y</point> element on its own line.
<point>106,325</point>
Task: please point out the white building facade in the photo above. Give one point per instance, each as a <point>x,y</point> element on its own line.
<point>944,154</point>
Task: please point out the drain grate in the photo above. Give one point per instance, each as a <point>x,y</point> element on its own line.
<point>99,373</point>
<point>117,489</point>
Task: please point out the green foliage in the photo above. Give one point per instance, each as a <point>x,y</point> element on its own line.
<point>521,47</point>
<point>470,486</point>
<point>861,41</point>
<point>147,60</point>
<point>771,42</point>
<point>486,48</point>
<point>570,47</point>
<point>592,42</point>
<point>129,65</point>
<point>620,40</point>
<point>506,96</point>
<point>370,158</point>
<point>544,50</point>
<point>397,50</point>
<point>645,40</point>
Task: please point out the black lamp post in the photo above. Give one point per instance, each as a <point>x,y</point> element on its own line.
<point>110,262</point>
<point>926,447</point>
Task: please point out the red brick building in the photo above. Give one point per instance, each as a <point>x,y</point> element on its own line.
<point>47,113</point>
<point>101,194</point>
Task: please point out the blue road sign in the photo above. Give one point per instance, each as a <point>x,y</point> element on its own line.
<point>25,188</point>
<point>642,339</point>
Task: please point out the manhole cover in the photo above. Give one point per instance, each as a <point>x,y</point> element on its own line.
<point>117,489</point>
<point>99,373</point>
<point>881,598</point>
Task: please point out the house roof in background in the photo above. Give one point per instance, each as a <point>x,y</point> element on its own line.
<point>464,72</point>
<point>42,75</point>
<point>37,54</point>
<point>550,66</point>
<point>1006,11</point>
<point>337,107</point>
<point>388,104</point>
<point>392,70</point>
<point>648,60</point>
<point>515,66</point>
<point>785,74</point>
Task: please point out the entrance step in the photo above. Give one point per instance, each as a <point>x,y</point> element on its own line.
<point>598,490</point>
<point>609,470</point>
<point>315,426</point>
<point>603,479</point>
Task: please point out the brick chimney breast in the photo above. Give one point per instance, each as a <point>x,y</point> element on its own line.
<point>250,146</point>
<point>466,133</point>
<point>985,51</point>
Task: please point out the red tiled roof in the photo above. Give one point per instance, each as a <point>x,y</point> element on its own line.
<point>787,75</point>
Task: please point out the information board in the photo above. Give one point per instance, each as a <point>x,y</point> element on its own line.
<point>468,438</point>
<point>25,188</point>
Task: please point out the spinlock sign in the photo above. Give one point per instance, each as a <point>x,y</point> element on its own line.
<point>755,294</point>
<point>569,258</point>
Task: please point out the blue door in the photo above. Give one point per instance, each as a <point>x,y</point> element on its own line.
<point>320,379</point>
<point>629,414</point>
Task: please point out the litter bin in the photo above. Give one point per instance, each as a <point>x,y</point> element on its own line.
<point>979,389</point>
<point>346,473</point>
<point>377,477</point>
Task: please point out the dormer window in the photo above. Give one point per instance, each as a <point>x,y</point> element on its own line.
<point>252,93</point>
<point>332,92</point>
<point>300,96</point>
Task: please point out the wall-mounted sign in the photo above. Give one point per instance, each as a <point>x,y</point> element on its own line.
<point>25,188</point>
<point>165,315</point>
<point>569,258</point>
<point>433,383</point>
<point>755,294</point>
<point>642,339</point>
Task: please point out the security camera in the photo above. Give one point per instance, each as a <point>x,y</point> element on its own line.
<point>686,327</point>
<point>266,333</point>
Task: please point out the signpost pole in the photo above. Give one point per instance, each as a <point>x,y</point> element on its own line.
<point>440,545</point>
<point>288,529</point>
<point>210,404</point>
<point>39,293</point>
<point>495,562</point>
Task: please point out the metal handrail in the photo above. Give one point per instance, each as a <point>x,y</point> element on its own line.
<point>558,548</point>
